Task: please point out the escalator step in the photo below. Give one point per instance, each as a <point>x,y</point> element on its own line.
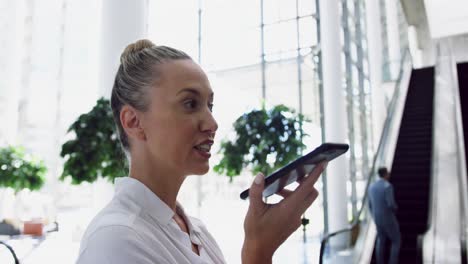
<point>416,132</point>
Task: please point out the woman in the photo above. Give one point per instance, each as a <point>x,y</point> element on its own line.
<point>162,104</point>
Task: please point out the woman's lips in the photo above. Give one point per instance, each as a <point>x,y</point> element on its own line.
<point>202,153</point>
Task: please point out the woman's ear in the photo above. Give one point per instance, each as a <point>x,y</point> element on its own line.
<point>131,123</point>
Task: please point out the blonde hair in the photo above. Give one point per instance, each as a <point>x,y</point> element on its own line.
<point>137,73</point>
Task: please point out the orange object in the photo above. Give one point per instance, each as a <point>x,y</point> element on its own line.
<point>33,228</point>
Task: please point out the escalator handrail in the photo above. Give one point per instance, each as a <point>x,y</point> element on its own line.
<point>390,112</point>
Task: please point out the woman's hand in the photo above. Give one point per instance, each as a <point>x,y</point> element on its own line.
<point>267,226</point>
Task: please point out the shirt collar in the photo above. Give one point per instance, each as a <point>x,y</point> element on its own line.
<point>135,191</point>
<point>191,225</point>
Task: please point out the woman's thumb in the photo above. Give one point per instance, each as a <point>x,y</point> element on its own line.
<point>256,190</point>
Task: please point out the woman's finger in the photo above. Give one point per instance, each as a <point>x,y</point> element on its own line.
<point>285,193</point>
<point>317,171</point>
<point>302,207</point>
<point>306,188</point>
<point>255,192</point>
<point>301,174</point>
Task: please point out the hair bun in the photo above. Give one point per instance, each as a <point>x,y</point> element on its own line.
<point>135,47</point>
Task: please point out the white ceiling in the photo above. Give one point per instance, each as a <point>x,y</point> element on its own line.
<point>447,17</point>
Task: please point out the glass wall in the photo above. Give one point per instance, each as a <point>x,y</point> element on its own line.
<point>254,52</point>
<point>50,58</point>
<point>394,37</point>
<point>357,88</point>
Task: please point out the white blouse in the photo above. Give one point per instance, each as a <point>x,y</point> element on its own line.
<point>137,227</point>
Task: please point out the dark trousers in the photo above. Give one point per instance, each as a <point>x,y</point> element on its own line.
<point>391,233</point>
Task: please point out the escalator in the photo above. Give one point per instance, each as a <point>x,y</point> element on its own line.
<point>462,69</point>
<point>420,144</point>
<point>462,72</point>
<point>411,169</point>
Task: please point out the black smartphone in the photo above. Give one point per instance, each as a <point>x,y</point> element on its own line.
<point>299,168</point>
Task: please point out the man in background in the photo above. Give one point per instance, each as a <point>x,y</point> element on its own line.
<point>382,206</point>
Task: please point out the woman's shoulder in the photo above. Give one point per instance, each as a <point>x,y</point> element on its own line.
<point>113,214</point>
<point>108,220</point>
<point>115,244</point>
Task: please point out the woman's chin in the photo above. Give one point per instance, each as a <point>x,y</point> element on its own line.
<point>201,170</point>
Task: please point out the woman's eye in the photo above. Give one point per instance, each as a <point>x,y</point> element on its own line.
<point>190,104</point>
<point>210,106</point>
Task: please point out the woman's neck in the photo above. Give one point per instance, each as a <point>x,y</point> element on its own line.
<point>165,183</point>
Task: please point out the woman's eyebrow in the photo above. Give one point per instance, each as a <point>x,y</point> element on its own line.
<point>193,91</point>
<point>189,90</point>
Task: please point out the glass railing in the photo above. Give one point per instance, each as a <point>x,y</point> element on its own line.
<point>445,239</point>
<point>361,228</point>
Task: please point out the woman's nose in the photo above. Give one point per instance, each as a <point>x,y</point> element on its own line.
<point>209,124</point>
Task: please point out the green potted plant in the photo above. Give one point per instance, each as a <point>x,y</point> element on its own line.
<point>95,149</point>
<point>265,141</point>
<point>20,171</point>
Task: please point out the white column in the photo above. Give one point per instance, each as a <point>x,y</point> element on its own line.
<point>374,40</point>
<point>334,115</point>
<point>393,36</point>
<point>123,22</point>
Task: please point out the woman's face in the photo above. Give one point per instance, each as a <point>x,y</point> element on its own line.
<point>179,125</point>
